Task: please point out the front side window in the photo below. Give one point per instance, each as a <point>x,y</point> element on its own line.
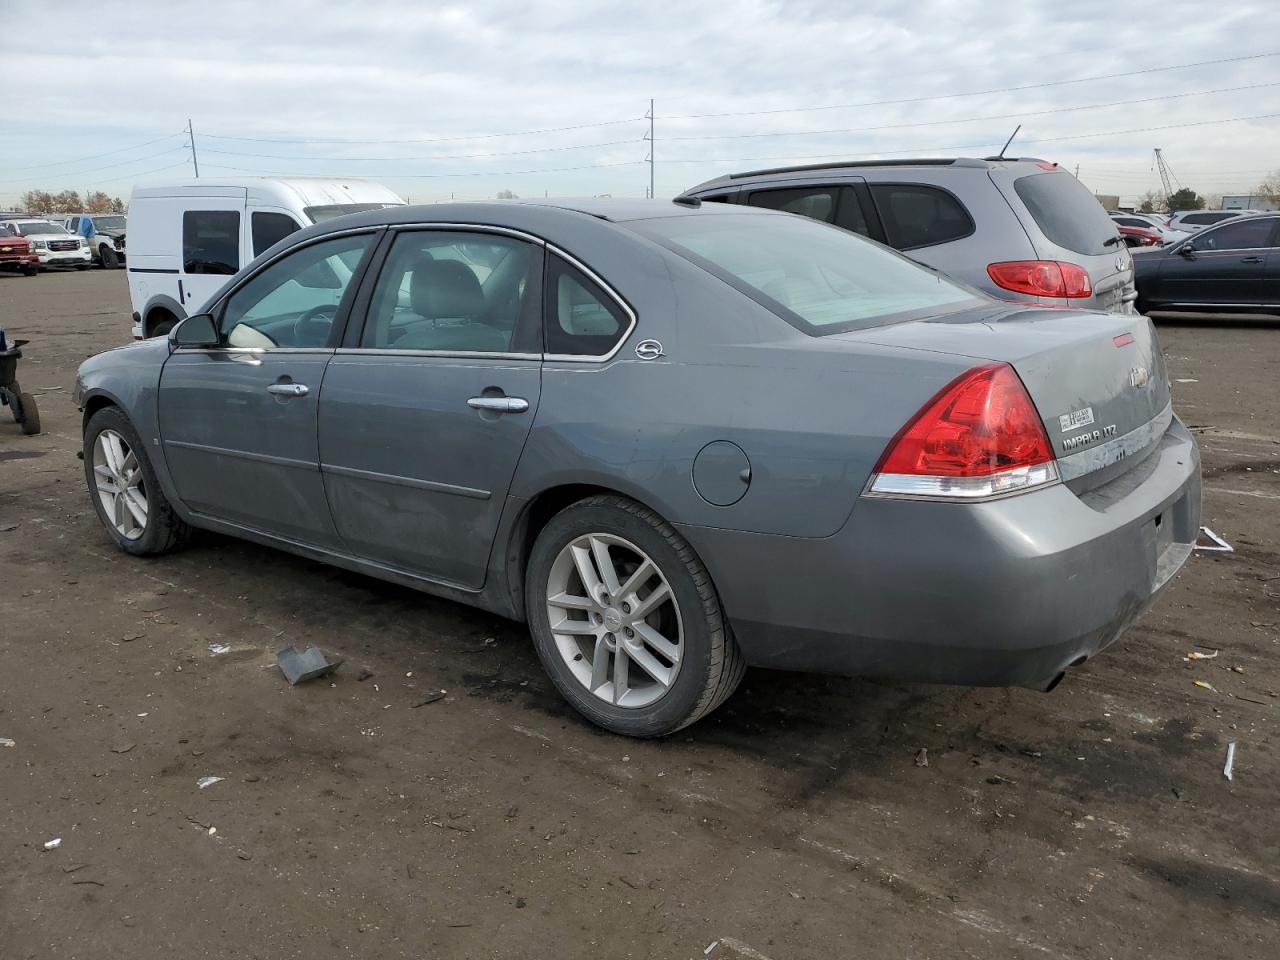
<point>582,320</point>
<point>1242,235</point>
<point>1066,212</point>
<point>211,242</point>
<point>294,301</point>
<point>918,216</point>
<point>819,279</point>
<point>452,291</point>
<point>268,229</point>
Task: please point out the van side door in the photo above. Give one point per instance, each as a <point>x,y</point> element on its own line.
<point>210,237</point>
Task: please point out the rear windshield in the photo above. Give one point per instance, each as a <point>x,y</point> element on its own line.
<point>334,210</point>
<point>1066,212</point>
<point>818,278</point>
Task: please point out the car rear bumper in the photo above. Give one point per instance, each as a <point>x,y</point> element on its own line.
<point>1004,593</point>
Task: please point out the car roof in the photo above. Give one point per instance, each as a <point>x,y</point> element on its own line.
<point>836,167</point>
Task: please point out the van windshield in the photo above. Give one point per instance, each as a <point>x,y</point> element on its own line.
<point>335,210</point>
<point>819,278</point>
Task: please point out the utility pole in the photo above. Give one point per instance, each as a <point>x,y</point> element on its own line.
<point>191,134</point>
<point>650,139</point>
<point>1165,175</point>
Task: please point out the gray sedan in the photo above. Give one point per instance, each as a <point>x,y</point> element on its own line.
<point>675,440</point>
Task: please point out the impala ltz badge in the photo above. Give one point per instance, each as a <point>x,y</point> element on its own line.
<point>648,349</point>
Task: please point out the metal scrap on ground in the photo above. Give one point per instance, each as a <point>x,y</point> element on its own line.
<point>1219,545</point>
<point>300,666</point>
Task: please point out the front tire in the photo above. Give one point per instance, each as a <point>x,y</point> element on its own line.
<point>124,489</point>
<point>626,620</point>
<point>110,259</point>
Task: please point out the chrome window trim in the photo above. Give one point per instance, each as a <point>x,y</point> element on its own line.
<point>614,295</point>
<point>428,354</point>
<point>253,351</point>
<point>469,228</point>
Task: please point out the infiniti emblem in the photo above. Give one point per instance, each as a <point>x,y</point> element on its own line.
<point>648,349</point>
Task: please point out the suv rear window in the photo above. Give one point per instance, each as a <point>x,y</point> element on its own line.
<point>819,279</point>
<point>918,216</point>
<point>1066,212</point>
<point>1208,217</point>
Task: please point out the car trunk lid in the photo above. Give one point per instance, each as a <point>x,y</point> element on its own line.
<point>1098,380</point>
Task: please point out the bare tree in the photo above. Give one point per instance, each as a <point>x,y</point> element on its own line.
<point>1149,202</point>
<point>38,201</point>
<point>1269,189</point>
<point>507,195</point>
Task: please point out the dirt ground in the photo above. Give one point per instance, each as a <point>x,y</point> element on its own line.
<point>799,821</point>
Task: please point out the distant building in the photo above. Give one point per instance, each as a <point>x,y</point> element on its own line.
<point>1248,202</point>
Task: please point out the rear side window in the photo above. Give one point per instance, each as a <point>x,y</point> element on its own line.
<point>581,319</point>
<point>1242,235</point>
<point>918,216</point>
<point>269,229</point>
<point>1066,212</point>
<point>211,241</point>
<point>838,205</point>
<point>1207,218</point>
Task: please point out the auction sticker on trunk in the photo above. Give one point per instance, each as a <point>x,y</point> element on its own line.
<point>1076,419</point>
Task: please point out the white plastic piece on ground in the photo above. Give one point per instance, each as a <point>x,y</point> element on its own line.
<point>53,844</point>
<point>1221,545</point>
<point>1231,759</point>
<point>217,648</point>
<point>6,742</point>
<point>711,946</point>
<point>208,781</point>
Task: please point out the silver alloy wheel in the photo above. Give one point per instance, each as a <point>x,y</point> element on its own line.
<point>615,620</point>
<point>121,489</point>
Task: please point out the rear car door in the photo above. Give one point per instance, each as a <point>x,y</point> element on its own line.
<point>211,230</point>
<point>238,421</point>
<point>1223,265</point>
<point>425,410</point>
<point>844,204</point>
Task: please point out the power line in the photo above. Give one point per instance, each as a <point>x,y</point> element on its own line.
<point>968,146</point>
<point>109,166</point>
<point>456,156</point>
<point>997,116</point>
<point>973,93</point>
<point>479,136</point>
<point>434,176</point>
<point>95,156</point>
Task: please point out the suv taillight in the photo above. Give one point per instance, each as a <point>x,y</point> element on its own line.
<point>1042,278</point>
<point>979,437</point>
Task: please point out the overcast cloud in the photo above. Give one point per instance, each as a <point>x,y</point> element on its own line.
<point>87,80</point>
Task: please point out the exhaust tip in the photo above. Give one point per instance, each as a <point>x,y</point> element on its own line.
<point>1049,687</point>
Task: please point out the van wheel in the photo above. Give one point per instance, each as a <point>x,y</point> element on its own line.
<point>109,258</point>
<point>626,620</point>
<point>163,323</point>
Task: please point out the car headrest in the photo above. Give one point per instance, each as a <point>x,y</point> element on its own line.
<point>445,289</point>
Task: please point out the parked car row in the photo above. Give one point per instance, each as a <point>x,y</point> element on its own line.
<point>48,242</point>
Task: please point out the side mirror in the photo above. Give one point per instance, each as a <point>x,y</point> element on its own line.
<point>197,331</point>
<point>1188,249</point>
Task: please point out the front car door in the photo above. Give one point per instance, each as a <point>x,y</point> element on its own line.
<point>425,411</point>
<point>238,421</point>
<point>1222,266</point>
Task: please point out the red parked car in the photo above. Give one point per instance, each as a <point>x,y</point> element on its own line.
<point>1138,236</point>
<point>15,254</point>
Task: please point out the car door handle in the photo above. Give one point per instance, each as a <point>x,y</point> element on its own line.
<point>289,389</point>
<point>1251,260</point>
<point>499,404</point>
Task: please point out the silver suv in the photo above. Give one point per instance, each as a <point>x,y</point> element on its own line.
<point>1018,229</point>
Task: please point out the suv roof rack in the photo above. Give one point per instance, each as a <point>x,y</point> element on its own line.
<point>901,162</point>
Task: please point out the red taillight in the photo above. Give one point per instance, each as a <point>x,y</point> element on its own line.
<point>1042,278</point>
<point>979,437</point>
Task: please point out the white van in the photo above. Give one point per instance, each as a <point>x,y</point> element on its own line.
<point>185,239</point>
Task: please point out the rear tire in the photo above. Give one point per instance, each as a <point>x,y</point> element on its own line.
<point>120,463</point>
<point>681,661</point>
<point>30,421</point>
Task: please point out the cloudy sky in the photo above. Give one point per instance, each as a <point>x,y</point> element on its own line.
<point>438,100</point>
